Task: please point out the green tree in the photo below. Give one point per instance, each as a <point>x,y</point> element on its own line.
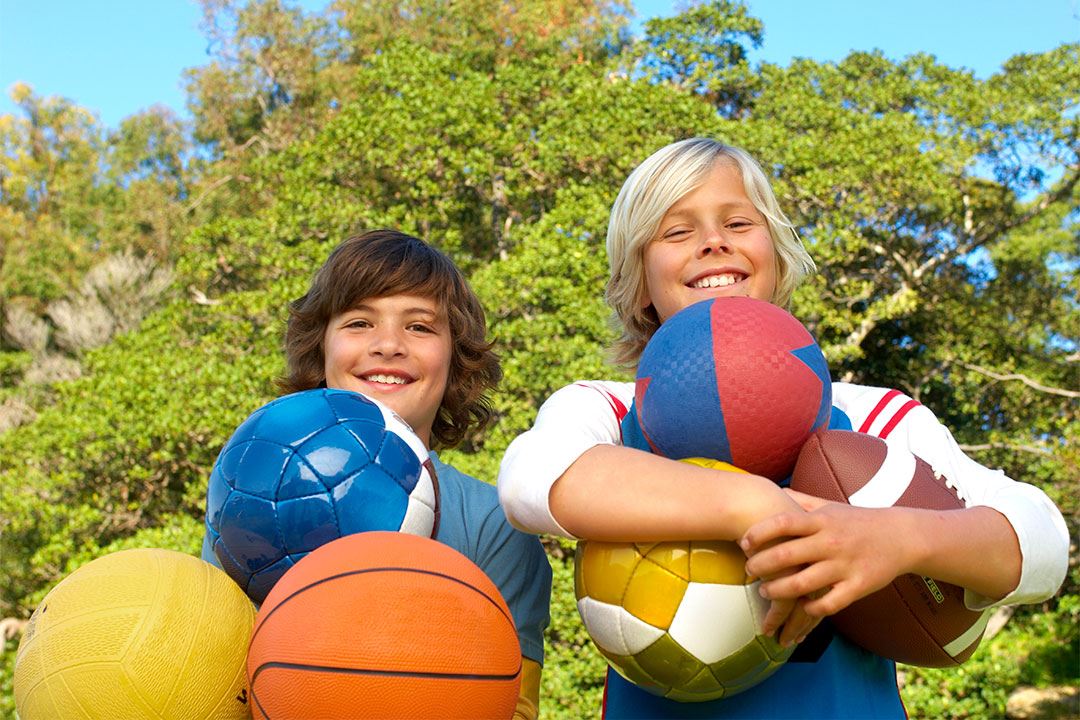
<point>705,51</point>
<point>488,34</point>
<point>51,199</point>
<point>940,209</point>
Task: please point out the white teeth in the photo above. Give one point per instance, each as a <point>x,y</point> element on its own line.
<point>390,379</point>
<point>712,281</point>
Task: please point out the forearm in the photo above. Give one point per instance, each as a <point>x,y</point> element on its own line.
<point>974,548</point>
<point>528,704</point>
<point>1036,536</point>
<point>615,493</point>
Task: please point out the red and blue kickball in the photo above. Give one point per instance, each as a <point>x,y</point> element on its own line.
<point>733,379</point>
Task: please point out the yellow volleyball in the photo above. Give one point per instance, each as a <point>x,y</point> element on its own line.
<point>144,633</point>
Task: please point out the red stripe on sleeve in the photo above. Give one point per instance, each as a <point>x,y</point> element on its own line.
<point>904,410</point>
<point>877,410</point>
<point>620,409</point>
<point>614,403</point>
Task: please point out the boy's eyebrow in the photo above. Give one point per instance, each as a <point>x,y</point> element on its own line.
<point>735,205</point>
<point>434,315</point>
<point>417,310</point>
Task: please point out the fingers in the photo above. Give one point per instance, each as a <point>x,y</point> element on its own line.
<point>808,503</point>
<point>777,615</point>
<point>783,557</point>
<point>798,625</point>
<point>832,600</point>
<point>810,583</point>
<point>792,620</point>
<point>774,528</point>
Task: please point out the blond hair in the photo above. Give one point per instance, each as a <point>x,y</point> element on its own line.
<point>650,190</point>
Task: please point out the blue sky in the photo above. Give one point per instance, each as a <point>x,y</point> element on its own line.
<point>116,57</point>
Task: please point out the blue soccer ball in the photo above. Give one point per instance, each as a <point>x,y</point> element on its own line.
<point>309,468</point>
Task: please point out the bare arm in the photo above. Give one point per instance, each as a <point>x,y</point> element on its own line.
<point>528,704</point>
<point>569,476</point>
<point>974,548</point>
<point>851,552</point>
<point>1010,544</point>
<point>616,493</point>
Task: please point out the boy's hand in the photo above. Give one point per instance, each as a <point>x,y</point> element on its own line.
<point>808,503</point>
<point>787,615</point>
<point>791,617</point>
<point>829,557</point>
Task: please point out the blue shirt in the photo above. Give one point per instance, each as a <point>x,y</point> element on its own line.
<point>845,682</point>
<point>472,522</point>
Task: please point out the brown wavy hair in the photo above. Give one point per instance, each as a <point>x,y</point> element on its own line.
<point>381,263</point>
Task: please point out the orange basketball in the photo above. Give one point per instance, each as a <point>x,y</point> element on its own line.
<point>384,625</point>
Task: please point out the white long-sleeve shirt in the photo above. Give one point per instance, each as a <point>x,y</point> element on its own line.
<point>589,413</point>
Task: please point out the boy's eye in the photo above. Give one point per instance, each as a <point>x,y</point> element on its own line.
<point>419,327</point>
<point>675,234</point>
<point>740,223</point>
<point>357,324</point>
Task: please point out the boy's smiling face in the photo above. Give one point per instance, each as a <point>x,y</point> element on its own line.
<point>711,243</point>
<point>396,350</point>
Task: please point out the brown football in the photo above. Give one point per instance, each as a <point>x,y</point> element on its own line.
<point>914,620</point>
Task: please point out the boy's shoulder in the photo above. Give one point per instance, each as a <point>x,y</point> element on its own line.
<point>472,521</point>
<point>878,410</point>
<point>453,481</point>
<point>466,504</point>
<point>585,396</point>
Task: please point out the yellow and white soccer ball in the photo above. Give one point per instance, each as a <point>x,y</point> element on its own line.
<point>678,619</point>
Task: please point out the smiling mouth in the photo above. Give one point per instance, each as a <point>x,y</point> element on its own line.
<point>714,281</point>
<point>386,379</point>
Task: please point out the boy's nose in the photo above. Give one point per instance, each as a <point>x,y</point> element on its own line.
<point>714,241</point>
<point>387,342</point>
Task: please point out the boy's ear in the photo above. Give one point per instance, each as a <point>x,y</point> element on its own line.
<point>645,300</point>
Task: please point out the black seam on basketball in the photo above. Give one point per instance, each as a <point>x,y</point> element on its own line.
<point>385,673</point>
<point>359,671</point>
<point>255,699</point>
<point>373,570</point>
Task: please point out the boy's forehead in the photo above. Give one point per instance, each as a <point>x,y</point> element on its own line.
<point>402,302</point>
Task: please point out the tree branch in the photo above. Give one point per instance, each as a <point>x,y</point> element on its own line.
<point>1061,192</point>
<point>1024,379</point>
<point>207,192</point>
<point>213,187</point>
<point>1006,446</point>
<point>856,336</point>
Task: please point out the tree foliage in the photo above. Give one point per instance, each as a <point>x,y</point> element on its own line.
<point>940,208</point>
